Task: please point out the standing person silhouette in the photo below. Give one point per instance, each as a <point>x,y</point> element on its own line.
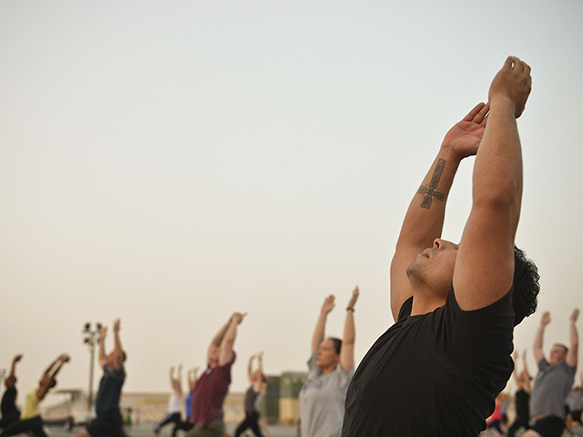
<point>8,408</point>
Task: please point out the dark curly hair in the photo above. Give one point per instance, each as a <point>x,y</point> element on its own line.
<point>337,344</point>
<point>525,286</point>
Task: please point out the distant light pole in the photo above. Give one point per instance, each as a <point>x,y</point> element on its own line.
<point>90,338</point>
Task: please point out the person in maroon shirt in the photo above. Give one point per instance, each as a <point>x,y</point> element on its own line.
<point>211,388</point>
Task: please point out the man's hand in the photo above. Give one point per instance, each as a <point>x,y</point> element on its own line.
<point>102,333</point>
<point>353,298</point>
<point>328,304</point>
<point>575,315</point>
<point>513,82</point>
<point>546,319</point>
<point>117,326</point>
<point>64,358</point>
<point>238,317</point>
<point>465,136</point>
<point>17,358</point>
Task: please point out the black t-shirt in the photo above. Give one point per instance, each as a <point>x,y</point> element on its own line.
<point>435,374</point>
<point>8,406</point>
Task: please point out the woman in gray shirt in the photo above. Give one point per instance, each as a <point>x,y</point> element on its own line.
<point>331,367</point>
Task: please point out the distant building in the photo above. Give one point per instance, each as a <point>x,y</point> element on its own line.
<point>280,405</point>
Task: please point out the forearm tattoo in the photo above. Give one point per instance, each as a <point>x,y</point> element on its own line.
<point>429,192</point>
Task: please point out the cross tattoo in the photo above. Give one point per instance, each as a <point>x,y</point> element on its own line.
<point>429,192</point>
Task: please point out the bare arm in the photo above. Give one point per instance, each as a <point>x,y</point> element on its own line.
<point>574,349</point>
<point>250,368</point>
<point>218,339</point>
<point>515,372</point>
<point>50,375</point>
<point>117,349</point>
<point>102,356</point>
<point>484,268</point>
<point>179,377</point>
<point>320,329</point>
<point>423,222</point>
<point>226,352</point>
<point>12,375</point>
<point>347,350</point>
<point>537,347</point>
<point>172,377</point>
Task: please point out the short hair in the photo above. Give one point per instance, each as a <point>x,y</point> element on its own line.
<point>525,286</point>
<point>563,346</point>
<point>337,344</point>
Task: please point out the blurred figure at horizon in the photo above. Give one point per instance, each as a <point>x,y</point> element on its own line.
<point>30,421</point>
<point>174,411</point>
<point>522,396</point>
<point>553,381</point>
<point>212,386</point>
<point>109,422</point>
<point>8,407</point>
<point>253,397</point>
<point>331,367</point>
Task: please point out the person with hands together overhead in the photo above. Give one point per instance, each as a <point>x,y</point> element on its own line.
<point>331,367</point>
<point>173,413</point>
<point>8,408</point>
<point>211,388</point>
<point>553,381</point>
<point>30,420</point>
<point>253,394</point>
<point>109,422</point>
<point>438,370</point>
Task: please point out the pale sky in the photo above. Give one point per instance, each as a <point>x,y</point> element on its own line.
<point>172,162</point>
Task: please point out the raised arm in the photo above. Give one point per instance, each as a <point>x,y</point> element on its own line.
<point>192,380</point>
<point>217,340</point>
<point>226,352</point>
<point>526,384</point>
<point>320,329</point>
<point>537,347</point>
<point>484,268</point>
<point>574,349</point>
<point>117,349</point>
<point>347,350</point>
<point>172,377</point>
<point>250,369</point>
<point>423,222</point>
<point>11,379</point>
<point>102,356</point>
<point>50,374</point>
<point>179,380</point>
<point>515,372</point>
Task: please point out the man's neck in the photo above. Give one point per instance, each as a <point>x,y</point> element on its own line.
<point>425,302</point>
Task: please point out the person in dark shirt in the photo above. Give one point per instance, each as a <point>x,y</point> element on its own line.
<point>109,422</point>
<point>10,412</point>
<point>438,369</point>
<point>522,397</point>
<point>253,394</point>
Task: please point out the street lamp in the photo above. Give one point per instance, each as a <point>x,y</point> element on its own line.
<point>90,337</point>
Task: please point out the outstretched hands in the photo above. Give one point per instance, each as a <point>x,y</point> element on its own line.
<point>575,315</point>
<point>465,137</point>
<point>512,82</point>
<point>328,304</point>
<point>17,358</point>
<point>546,319</point>
<point>102,333</point>
<point>238,317</point>
<point>116,326</point>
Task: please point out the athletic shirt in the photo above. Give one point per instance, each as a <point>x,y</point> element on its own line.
<point>322,400</point>
<point>174,403</point>
<point>551,387</point>
<point>436,374</point>
<point>30,409</point>
<point>250,399</point>
<point>8,406</point>
<point>209,394</point>
<point>522,399</point>
<point>109,392</point>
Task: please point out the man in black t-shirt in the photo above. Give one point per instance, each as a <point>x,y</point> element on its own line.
<point>439,368</point>
<point>10,412</point>
<point>109,422</point>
